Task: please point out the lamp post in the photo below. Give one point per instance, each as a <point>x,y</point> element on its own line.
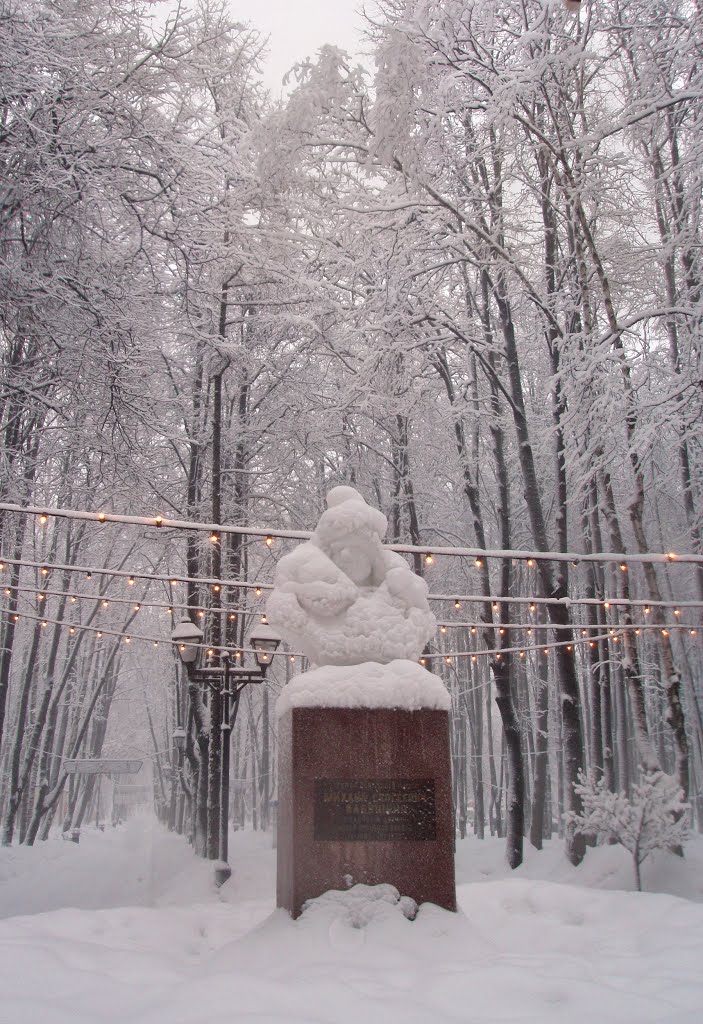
<point>227,682</point>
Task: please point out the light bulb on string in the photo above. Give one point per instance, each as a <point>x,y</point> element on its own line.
<point>443,629</point>
<point>647,609</point>
<point>429,558</point>
<point>457,603</point>
<point>43,519</point>
<point>101,517</point>
<point>269,541</point>
<point>257,591</point>
<point>214,538</point>
<point>136,607</point>
<point>232,617</point>
<point>130,581</point>
<point>478,562</point>
<point>158,521</point>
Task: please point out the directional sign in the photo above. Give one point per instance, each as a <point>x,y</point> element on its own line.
<point>100,766</point>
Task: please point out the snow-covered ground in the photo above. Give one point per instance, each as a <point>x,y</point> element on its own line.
<point>126,928</point>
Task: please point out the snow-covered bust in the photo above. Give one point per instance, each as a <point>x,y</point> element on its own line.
<point>342,599</point>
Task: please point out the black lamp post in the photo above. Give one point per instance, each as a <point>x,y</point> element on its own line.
<point>228,682</point>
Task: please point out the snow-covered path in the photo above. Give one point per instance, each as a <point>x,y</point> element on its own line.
<point>126,928</point>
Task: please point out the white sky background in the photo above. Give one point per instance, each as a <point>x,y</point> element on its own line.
<point>298,28</point>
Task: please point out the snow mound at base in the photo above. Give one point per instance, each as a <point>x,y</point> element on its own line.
<point>360,905</point>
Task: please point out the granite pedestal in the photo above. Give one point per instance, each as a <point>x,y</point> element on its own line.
<point>364,795</point>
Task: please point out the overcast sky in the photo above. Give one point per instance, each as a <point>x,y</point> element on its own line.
<point>298,28</point>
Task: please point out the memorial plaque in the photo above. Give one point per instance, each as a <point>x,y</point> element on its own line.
<point>375,810</point>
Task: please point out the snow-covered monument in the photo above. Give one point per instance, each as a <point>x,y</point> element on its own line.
<point>364,767</point>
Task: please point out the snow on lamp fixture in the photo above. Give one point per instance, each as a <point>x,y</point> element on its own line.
<point>186,635</point>
<point>265,642</point>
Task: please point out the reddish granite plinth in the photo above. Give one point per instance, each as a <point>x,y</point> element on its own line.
<point>360,776</point>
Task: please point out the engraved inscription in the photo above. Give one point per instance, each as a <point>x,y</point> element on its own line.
<point>375,810</point>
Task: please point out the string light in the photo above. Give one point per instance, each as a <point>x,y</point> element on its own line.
<point>130,581</point>
<point>457,604</point>
<point>478,562</point>
<point>647,610</point>
<point>216,587</point>
<point>258,591</point>
<point>264,621</point>
<point>44,571</point>
<point>101,517</point>
<point>136,607</point>
<point>530,562</point>
<point>665,632</point>
<point>623,567</point>
<point>677,612</point>
<point>672,556</point>
<point>158,521</point>
<point>43,519</point>
<point>215,538</point>
<point>232,617</point>
<point>443,629</point>
<point>269,541</point>
<point>41,597</point>
<point>429,558</point>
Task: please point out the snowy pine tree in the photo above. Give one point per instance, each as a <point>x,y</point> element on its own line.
<point>652,818</point>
